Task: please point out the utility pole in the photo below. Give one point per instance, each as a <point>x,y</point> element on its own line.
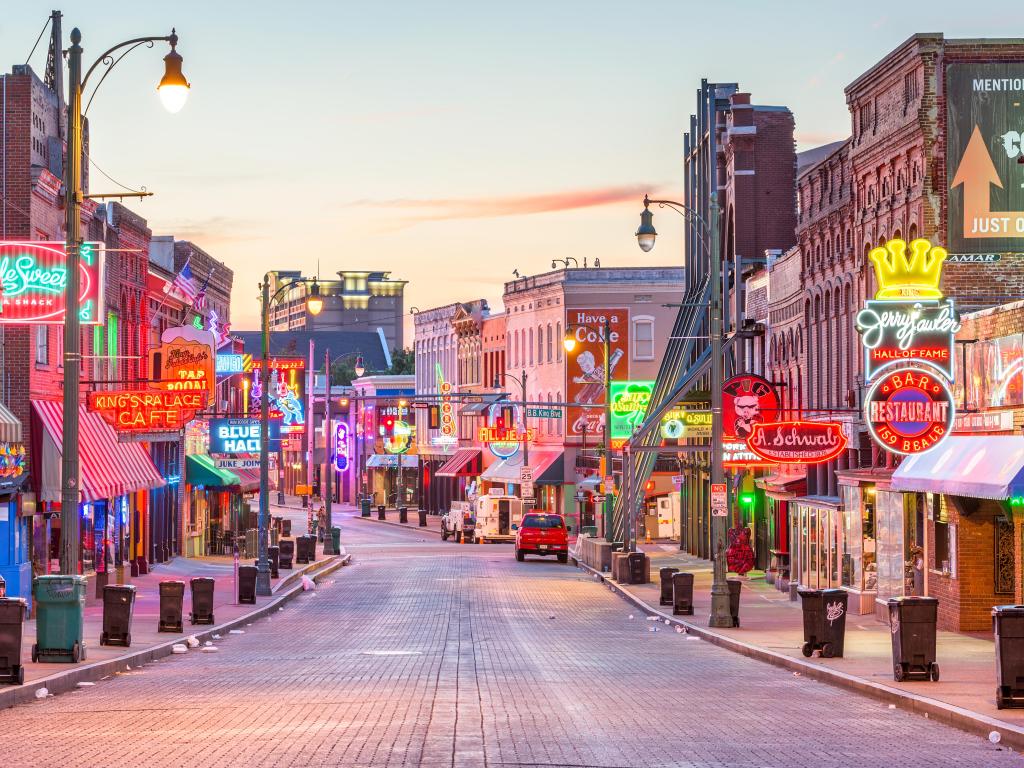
<point>263,522</point>
<point>328,461</point>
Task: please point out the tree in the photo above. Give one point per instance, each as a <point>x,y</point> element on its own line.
<point>403,362</point>
<point>343,371</point>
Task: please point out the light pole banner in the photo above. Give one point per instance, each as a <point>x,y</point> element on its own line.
<point>584,366</point>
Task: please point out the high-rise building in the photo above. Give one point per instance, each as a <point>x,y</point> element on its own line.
<point>354,301</point>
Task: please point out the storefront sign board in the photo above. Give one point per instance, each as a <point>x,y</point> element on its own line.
<point>33,276</point>
<point>909,410</point>
<point>798,442</point>
<point>151,410</point>
<point>584,365</point>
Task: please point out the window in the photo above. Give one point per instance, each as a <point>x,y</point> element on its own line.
<point>558,342</point>
<point>942,559</point>
<point>531,346</point>
<point>643,338</point>
<point>550,356</point>
<point>543,521</point>
<point>540,344</point>
<point>42,345</point>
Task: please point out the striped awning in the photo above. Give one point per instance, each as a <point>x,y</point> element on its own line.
<point>250,479</point>
<point>464,463</point>
<point>107,468</point>
<point>10,426</point>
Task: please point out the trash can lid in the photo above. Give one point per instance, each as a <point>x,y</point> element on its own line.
<point>809,592</point>
<point>1008,610</point>
<point>905,599</point>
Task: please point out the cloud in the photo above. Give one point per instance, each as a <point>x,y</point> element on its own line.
<point>816,139</point>
<point>442,209</point>
<point>214,229</point>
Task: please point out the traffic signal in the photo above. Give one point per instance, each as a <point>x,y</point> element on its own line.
<point>747,500</point>
<point>389,426</point>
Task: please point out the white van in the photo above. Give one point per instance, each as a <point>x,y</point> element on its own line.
<point>495,516</point>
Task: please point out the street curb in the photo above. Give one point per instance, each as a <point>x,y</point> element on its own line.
<point>958,717</point>
<point>404,526</point>
<point>68,679</point>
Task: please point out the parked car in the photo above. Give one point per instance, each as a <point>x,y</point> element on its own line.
<point>542,533</point>
<point>459,522</point>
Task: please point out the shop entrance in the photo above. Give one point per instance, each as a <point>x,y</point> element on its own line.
<point>504,517</point>
<point>819,547</point>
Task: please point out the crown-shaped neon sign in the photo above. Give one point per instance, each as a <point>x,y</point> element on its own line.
<point>902,276</point>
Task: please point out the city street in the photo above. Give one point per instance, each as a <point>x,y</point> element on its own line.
<point>433,653</point>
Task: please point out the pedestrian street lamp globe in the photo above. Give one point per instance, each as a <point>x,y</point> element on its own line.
<point>569,342</point>
<point>314,302</point>
<point>173,87</point>
<point>360,369</point>
<point>646,234</point>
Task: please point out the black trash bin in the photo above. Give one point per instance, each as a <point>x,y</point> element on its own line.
<point>364,507</point>
<point>286,551</point>
<point>423,517</point>
<point>274,558</point>
<point>1008,625</point>
<point>247,584</point>
<point>824,612</point>
<point>301,550</point>
<point>666,584</point>
<point>912,624</point>
<point>636,564</point>
<point>735,585</point>
<point>12,632</point>
<point>311,549</point>
<point>118,602</point>
<point>380,512</point>
<point>202,600</point>
<point>172,594</point>
<point>682,594</point>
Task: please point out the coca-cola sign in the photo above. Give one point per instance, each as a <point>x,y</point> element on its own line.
<point>797,442</point>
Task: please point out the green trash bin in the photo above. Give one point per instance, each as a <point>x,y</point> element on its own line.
<point>364,506</point>
<point>60,604</point>
<point>336,539</point>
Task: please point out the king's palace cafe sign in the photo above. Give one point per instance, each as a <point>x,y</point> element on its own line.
<point>908,332</point>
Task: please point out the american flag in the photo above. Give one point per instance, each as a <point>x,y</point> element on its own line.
<point>200,300</point>
<point>186,283</point>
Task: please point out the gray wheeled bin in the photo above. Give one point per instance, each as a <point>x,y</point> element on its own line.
<point>286,551</point>
<point>12,632</point>
<point>824,613</point>
<point>202,600</point>
<point>1008,625</point>
<point>912,622</point>
<point>247,584</point>
<point>682,594</point>
<point>172,595</point>
<point>118,602</point>
<point>665,574</point>
<point>60,605</point>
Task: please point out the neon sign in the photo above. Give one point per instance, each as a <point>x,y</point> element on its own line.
<point>910,410</point>
<point>629,401</point>
<point>447,412</point>
<point>130,411</point>
<point>684,423</point>
<point>798,442</point>
<point>236,436</point>
<point>503,435</point>
<point>341,446</point>
<point>503,439</point>
<point>902,277</point>
<point>229,364</point>
<point>34,280</point>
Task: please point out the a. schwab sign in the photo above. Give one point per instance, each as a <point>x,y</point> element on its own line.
<point>34,279</point>
<point>233,437</point>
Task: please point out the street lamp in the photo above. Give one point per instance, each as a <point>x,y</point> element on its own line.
<point>569,342</point>
<point>74,194</point>
<point>521,381</point>
<point>314,303</point>
<point>645,236</point>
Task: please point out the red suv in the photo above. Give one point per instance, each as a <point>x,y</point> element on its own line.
<point>542,533</point>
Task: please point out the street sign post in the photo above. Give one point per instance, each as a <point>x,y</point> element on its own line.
<point>526,483</point>
<point>719,500</point>
<point>544,413</point>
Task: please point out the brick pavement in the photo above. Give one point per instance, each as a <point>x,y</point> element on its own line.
<point>434,655</point>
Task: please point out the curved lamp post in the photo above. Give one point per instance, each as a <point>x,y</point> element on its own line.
<point>569,342</point>
<point>645,237</point>
<point>521,381</point>
<point>314,303</point>
<point>173,89</point>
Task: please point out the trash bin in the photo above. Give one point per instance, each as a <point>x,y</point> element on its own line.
<point>364,507</point>
<point>311,549</point>
<point>635,564</point>
<point>912,624</point>
<point>286,551</point>
<point>403,514</point>
<point>824,612</point>
<point>735,585</point>
<point>202,600</point>
<point>1008,625</point>
<point>301,550</point>
<point>336,539</point>
<point>274,558</point>
<point>423,518</point>
<point>682,594</point>
<point>60,601</point>
<point>380,512</point>
<point>172,594</point>
<point>12,632</point>
<point>247,584</point>
<point>666,584</point>
<point>118,602</point>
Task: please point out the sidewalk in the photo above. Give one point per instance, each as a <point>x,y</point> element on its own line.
<point>147,642</point>
<point>772,630</point>
<point>433,521</point>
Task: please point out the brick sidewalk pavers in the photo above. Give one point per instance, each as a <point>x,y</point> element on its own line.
<point>426,654</point>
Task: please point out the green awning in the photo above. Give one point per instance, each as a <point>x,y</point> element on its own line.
<point>200,470</point>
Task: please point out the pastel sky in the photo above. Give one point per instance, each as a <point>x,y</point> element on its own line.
<point>449,142</point>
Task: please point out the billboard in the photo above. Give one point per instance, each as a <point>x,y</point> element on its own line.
<point>985,147</point>
<point>34,280</point>
<point>584,370</point>
<point>286,393</point>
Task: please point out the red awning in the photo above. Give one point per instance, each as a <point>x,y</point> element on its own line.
<point>250,479</point>
<point>465,462</point>
<point>108,468</point>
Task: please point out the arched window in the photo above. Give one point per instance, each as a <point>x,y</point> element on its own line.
<point>550,358</point>
<point>530,339</point>
<point>913,232</point>
<point>558,341</point>
<point>540,344</point>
